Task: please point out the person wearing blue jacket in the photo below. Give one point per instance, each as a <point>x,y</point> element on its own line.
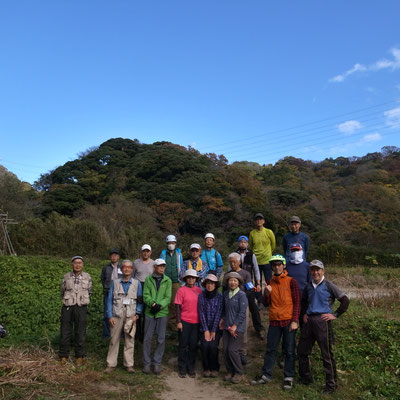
<point>211,256</point>
<point>295,236</point>
<point>173,265</point>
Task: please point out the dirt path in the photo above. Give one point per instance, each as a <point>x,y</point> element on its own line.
<point>197,388</point>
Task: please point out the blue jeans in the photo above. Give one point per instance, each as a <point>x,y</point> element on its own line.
<point>289,343</point>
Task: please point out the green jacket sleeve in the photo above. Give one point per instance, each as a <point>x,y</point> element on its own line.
<point>148,298</point>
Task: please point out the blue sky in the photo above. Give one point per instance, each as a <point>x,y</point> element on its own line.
<point>253,80</point>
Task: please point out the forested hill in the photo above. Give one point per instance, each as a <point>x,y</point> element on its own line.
<point>125,193</point>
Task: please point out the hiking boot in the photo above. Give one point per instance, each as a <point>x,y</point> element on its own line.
<point>192,374</point>
<point>288,384</point>
<point>108,370</point>
<point>157,369</point>
<point>79,361</point>
<point>130,370</point>
<point>206,374</point>
<point>236,378</point>
<point>182,374</point>
<point>214,374</point>
<point>261,380</point>
<point>306,381</point>
<point>328,390</point>
<point>146,369</point>
<point>228,377</point>
<point>63,360</point>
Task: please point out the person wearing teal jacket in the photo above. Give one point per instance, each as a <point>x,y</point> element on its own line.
<point>156,297</point>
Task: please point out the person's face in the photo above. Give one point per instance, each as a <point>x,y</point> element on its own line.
<point>190,281</point>
<point>316,274</point>
<point>259,222</point>
<point>159,269</point>
<point>294,227</point>
<point>114,257</point>
<point>77,265</point>
<point>210,286</point>
<point>277,267</point>
<point>126,269</point>
<point>243,245</point>
<point>146,254</point>
<point>234,263</point>
<point>209,242</point>
<point>233,283</point>
<point>195,253</point>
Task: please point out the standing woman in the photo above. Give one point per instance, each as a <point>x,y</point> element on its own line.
<point>234,325</point>
<point>210,311</point>
<point>187,317</point>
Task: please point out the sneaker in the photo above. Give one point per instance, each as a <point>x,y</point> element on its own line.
<point>261,380</point>
<point>206,374</point>
<point>130,370</point>
<point>63,360</point>
<point>108,370</point>
<point>157,369</point>
<point>214,374</point>
<point>236,378</point>
<point>228,377</point>
<point>192,374</point>
<point>146,369</point>
<point>328,390</point>
<point>79,361</point>
<point>306,381</point>
<point>287,384</point>
<point>182,374</point>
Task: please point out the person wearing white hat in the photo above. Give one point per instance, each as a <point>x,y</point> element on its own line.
<point>187,317</point>
<point>211,256</point>
<point>173,264</point>
<point>196,263</point>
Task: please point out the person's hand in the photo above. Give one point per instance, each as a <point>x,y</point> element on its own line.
<point>293,326</point>
<point>258,288</point>
<point>328,317</point>
<point>212,336</point>
<point>111,321</point>
<point>232,330</point>
<point>305,318</point>
<point>268,289</point>
<point>207,336</point>
<point>179,326</point>
<point>135,318</point>
<point>221,324</point>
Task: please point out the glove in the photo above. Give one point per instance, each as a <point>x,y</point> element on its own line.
<point>155,309</point>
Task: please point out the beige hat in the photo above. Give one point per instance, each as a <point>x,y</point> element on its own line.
<point>233,275</point>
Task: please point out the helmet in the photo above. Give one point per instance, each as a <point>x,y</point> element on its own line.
<point>209,235</point>
<point>171,238</point>
<point>277,257</point>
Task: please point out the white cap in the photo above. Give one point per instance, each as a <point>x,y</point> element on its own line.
<point>159,261</point>
<point>171,238</point>
<point>209,235</point>
<point>190,272</point>
<point>146,247</point>
<point>195,246</point>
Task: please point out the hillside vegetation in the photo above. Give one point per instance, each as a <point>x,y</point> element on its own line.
<point>125,193</point>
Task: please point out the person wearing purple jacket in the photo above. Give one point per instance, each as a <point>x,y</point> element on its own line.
<point>210,311</point>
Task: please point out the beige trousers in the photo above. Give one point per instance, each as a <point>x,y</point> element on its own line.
<point>129,344</point>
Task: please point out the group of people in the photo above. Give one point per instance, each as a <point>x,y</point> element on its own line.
<point>146,297</point>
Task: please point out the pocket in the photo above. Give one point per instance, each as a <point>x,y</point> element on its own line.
<point>84,299</point>
<point>69,299</point>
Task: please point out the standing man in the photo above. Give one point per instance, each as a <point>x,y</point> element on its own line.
<point>173,264</point>
<point>294,236</point>
<point>262,243</point>
<point>76,289</point>
<point>156,297</point>
<point>196,263</point>
<point>317,313</point>
<point>282,295</point>
<point>297,267</point>
<point>124,305</point>
<point>211,256</point>
<point>109,272</point>
<point>142,268</point>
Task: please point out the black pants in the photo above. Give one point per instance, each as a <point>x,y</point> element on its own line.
<point>73,319</point>
<point>316,329</point>
<point>209,352</point>
<point>232,346</point>
<point>188,338</point>
<point>255,313</point>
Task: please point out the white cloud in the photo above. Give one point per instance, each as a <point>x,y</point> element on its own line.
<point>393,117</point>
<point>384,63</point>
<point>349,127</point>
<point>372,137</point>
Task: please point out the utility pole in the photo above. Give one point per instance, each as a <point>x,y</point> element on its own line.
<point>6,245</point>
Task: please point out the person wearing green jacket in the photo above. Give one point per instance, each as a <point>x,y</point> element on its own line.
<point>157,293</point>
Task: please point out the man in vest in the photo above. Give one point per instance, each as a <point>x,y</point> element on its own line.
<point>196,263</point>
<point>317,313</point>
<point>249,263</point>
<point>124,305</point>
<point>109,272</point>
<point>156,297</point>
<point>282,294</point>
<point>76,289</point>
<point>211,256</point>
<point>173,264</point>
